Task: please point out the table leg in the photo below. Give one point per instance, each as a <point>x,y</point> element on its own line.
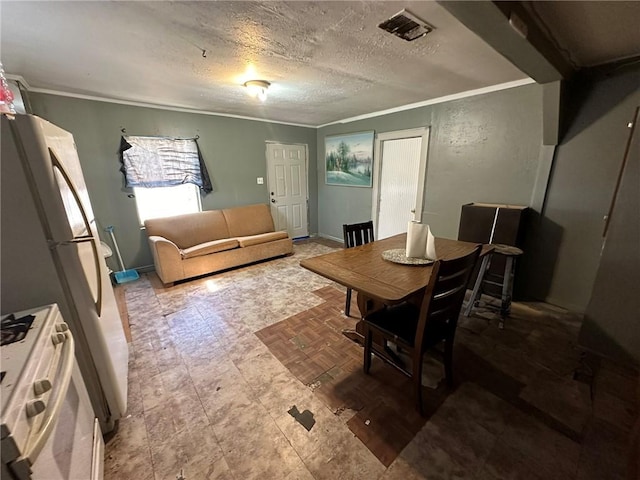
<point>354,336</point>
<point>366,306</point>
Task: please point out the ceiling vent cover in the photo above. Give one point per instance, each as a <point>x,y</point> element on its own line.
<point>406,25</point>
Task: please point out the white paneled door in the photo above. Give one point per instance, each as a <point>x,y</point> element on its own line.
<point>399,186</point>
<point>287,184</point>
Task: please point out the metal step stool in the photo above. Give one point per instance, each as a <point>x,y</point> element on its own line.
<point>506,282</point>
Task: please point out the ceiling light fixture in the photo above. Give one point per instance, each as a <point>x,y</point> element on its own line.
<point>257,88</point>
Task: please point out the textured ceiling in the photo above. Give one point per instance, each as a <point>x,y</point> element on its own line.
<point>327,61</point>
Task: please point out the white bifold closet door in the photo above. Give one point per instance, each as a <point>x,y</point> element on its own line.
<point>399,184</point>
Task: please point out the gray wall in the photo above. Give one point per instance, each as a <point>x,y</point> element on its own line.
<point>481,149</point>
<point>582,182</point>
<point>233,149</point>
<point>611,321</point>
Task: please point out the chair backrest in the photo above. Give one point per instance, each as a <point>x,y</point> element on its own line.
<point>444,296</point>
<point>357,234</point>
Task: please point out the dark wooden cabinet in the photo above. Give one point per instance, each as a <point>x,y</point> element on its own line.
<point>493,223</point>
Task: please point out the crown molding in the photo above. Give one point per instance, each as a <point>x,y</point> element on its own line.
<point>433,101</point>
<point>411,106</point>
<point>18,78</point>
<point>148,105</point>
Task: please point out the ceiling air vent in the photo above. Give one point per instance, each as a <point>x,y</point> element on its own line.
<point>406,25</point>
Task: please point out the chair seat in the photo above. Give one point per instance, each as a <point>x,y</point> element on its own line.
<point>401,321</point>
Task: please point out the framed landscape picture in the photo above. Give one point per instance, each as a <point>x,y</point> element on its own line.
<point>349,159</point>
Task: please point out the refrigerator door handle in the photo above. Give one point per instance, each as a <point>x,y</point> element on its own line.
<point>96,262</point>
<point>83,238</point>
<point>72,188</point>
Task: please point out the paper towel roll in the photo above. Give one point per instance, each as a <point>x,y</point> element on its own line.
<point>431,245</point>
<point>416,239</point>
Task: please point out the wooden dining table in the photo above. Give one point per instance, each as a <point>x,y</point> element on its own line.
<point>382,282</point>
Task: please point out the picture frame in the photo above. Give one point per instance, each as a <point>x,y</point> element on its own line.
<point>348,159</point>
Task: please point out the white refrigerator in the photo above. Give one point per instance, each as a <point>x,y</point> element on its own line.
<point>51,253</point>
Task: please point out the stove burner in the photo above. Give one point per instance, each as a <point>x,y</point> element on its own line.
<point>14,329</point>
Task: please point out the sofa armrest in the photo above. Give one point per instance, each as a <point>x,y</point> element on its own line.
<point>167,259</point>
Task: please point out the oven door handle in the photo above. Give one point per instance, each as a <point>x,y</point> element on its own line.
<point>54,405</point>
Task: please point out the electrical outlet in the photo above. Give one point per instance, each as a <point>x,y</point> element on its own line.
<point>260,181</point>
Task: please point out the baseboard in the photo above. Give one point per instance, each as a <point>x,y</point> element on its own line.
<point>146,268</point>
<point>329,237</point>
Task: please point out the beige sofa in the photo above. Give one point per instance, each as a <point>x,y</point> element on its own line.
<point>194,244</point>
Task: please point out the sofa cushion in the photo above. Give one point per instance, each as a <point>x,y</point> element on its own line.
<point>210,247</point>
<point>261,238</point>
<point>248,220</point>
<point>190,229</point>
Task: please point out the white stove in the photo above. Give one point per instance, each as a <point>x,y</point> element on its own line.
<point>45,409</point>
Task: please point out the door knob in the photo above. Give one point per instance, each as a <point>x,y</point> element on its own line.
<point>273,200</point>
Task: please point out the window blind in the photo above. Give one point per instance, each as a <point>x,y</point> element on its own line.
<point>162,162</point>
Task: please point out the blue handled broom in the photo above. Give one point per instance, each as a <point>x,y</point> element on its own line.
<point>123,275</point>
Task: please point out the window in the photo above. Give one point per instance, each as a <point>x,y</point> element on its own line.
<point>166,175</point>
<point>167,201</point>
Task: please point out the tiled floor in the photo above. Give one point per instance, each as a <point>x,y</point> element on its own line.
<point>217,362</point>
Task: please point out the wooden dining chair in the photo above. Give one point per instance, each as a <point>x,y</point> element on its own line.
<point>356,234</point>
<point>417,329</point>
